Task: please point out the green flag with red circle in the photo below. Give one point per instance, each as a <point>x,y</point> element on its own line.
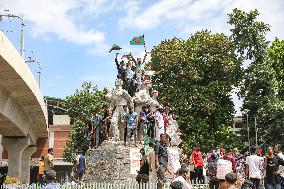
<point>138,40</point>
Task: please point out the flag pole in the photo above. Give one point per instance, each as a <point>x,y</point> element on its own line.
<point>144,43</point>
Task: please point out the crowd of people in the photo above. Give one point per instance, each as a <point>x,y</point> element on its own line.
<point>148,124</point>
<point>143,123</point>
<point>218,168</point>
<point>46,175</point>
<point>131,73</point>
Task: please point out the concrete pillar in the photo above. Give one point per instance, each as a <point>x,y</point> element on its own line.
<point>26,156</point>
<point>15,148</point>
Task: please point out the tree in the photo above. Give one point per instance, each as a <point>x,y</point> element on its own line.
<point>196,77</point>
<point>79,107</point>
<point>261,87</point>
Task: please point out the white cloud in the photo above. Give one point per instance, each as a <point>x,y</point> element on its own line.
<point>94,8</point>
<point>190,16</point>
<point>55,17</point>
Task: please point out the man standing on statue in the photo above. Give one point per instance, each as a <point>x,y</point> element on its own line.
<point>131,122</point>
<point>97,127</point>
<point>159,122</point>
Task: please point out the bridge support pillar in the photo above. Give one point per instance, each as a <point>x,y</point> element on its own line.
<point>26,156</point>
<point>15,148</point>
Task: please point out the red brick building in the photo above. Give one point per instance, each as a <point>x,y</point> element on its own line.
<point>58,136</point>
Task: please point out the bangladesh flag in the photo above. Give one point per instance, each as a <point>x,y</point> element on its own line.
<point>138,40</point>
<point>114,47</point>
<point>127,56</point>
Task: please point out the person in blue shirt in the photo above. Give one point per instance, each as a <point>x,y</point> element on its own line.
<point>131,123</point>
<point>80,165</point>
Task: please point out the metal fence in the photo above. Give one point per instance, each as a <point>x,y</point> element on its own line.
<point>122,185</point>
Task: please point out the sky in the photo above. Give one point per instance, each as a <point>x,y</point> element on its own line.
<point>71,38</point>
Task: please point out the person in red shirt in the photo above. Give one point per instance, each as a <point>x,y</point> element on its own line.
<point>198,161</point>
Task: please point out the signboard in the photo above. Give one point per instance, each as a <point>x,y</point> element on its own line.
<point>174,159</point>
<point>223,167</point>
<point>135,158</point>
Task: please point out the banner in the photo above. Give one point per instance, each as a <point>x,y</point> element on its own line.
<point>174,159</point>
<point>135,158</point>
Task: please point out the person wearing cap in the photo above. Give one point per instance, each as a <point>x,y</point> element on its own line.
<point>48,160</point>
<point>50,178</point>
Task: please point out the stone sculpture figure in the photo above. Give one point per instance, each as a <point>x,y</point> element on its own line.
<point>119,99</point>
<point>142,98</point>
<point>154,102</point>
<point>108,94</point>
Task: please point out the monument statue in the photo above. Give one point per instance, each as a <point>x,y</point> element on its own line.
<point>154,102</point>
<point>119,98</point>
<point>142,98</point>
<point>108,94</point>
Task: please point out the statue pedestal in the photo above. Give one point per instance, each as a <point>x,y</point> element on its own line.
<point>111,162</point>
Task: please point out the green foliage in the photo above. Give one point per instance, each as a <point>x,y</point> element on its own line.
<point>79,107</point>
<point>248,35</point>
<point>200,96</point>
<point>262,86</point>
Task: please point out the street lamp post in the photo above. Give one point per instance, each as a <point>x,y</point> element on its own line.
<point>22,30</point>
<point>30,60</point>
<point>246,111</point>
<point>256,130</point>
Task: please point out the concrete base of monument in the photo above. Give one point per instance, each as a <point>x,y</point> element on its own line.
<point>112,162</point>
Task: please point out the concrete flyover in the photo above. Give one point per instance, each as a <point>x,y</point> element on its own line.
<point>23,114</point>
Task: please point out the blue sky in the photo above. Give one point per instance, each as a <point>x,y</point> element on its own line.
<point>71,38</point>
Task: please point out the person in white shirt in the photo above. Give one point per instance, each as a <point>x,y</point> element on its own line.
<point>159,123</point>
<point>183,177</point>
<point>253,168</point>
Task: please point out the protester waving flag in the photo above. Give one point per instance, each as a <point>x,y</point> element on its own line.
<point>114,47</point>
<point>127,56</point>
<point>138,40</point>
